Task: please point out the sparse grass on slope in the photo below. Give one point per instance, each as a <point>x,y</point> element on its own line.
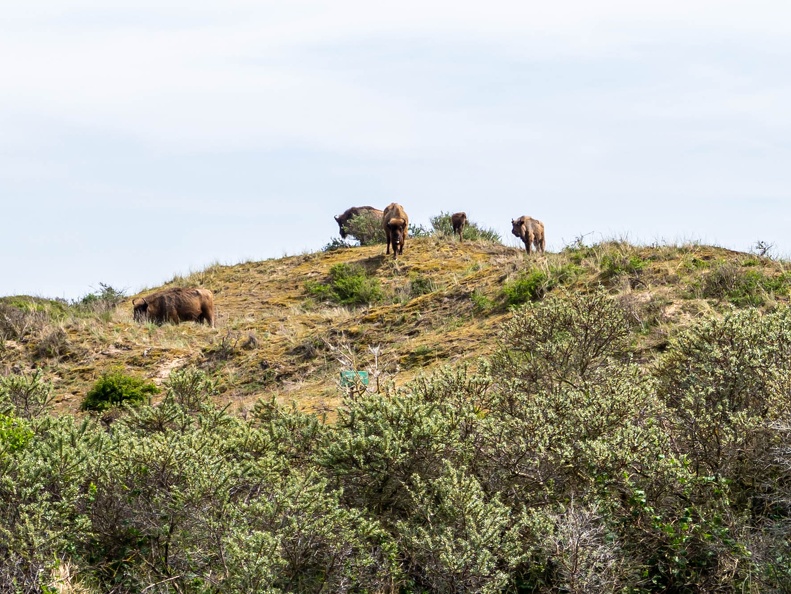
<point>282,332</point>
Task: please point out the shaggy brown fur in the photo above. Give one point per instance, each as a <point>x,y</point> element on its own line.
<point>459,221</point>
<point>176,305</point>
<point>529,230</point>
<point>354,211</point>
<point>396,224</point>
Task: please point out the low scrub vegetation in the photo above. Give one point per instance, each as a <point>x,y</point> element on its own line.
<point>559,464</point>
<point>115,388</point>
<point>348,284</point>
<point>534,284</point>
<point>441,224</point>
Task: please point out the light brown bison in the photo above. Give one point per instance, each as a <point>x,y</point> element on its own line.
<point>529,230</point>
<point>459,221</point>
<point>396,224</point>
<point>343,219</point>
<point>176,305</point>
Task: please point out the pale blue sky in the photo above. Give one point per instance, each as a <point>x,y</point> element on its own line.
<point>138,142</point>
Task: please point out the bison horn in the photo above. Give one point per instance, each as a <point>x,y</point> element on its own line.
<point>337,218</point>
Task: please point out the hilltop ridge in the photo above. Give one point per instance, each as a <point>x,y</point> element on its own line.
<point>282,331</point>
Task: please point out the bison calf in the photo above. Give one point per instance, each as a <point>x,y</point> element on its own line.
<point>396,224</point>
<point>530,231</point>
<point>176,305</point>
<point>459,221</point>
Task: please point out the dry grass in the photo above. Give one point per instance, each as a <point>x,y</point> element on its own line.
<point>443,303</point>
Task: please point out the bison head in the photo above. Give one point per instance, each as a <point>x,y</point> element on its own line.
<point>518,227</point>
<point>397,231</point>
<point>341,222</point>
<point>140,310</point>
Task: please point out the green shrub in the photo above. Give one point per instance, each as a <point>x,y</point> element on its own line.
<point>336,243</point>
<point>416,230</point>
<point>102,302</point>
<point>349,284</point>
<point>29,394</point>
<point>115,388</point>
<point>442,225</point>
<point>534,284</point>
<point>15,433</point>
<point>744,288</point>
<point>528,286</point>
<point>190,388</point>
<point>456,538</point>
<point>615,265</point>
<point>481,303</point>
<point>724,380</point>
<point>367,228</point>
<point>421,285</point>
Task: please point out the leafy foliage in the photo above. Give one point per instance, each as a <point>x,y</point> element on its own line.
<point>570,461</point>
<point>442,225</point>
<point>115,388</point>
<point>534,283</point>
<point>29,395</point>
<point>348,284</point>
<point>367,228</point>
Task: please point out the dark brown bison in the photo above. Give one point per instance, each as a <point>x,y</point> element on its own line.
<point>459,221</point>
<point>354,211</point>
<point>529,230</point>
<point>396,224</point>
<point>176,305</point>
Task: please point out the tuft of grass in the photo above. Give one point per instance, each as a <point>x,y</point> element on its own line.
<point>421,285</point>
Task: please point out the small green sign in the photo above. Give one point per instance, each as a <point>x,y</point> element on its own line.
<point>350,378</point>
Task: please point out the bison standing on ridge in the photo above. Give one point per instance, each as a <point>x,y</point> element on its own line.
<point>176,305</point>
<point>396,224</point>
<point>354,211</point>
<point>459,221</point>
<point>529,230</point>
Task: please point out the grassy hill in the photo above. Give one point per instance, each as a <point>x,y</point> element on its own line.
<point>281,329</point>
<point>627,431</point>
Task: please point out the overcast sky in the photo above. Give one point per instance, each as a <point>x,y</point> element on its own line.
<point>139,140</point>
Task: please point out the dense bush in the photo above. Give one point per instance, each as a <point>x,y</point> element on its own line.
<point>367,228</point>
<point>115,388</point>
<point>533,284</point>
<point>348,284</point>
<point>29,395</point>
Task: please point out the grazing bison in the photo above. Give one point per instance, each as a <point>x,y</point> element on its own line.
<point>458,220</point>
<point>529,230</point>
<point>396,225</point>
<point>176,305</point>
<point>343,219</point>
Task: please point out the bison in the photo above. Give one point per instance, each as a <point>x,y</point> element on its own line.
<point>529,230</point>
<point>459,221</point>
<point>396,224</point>
<point>176,305</point>
<point>354,211</point>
